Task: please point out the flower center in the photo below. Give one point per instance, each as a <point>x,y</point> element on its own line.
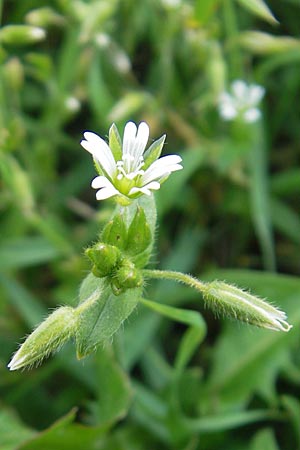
<point>129,172</point>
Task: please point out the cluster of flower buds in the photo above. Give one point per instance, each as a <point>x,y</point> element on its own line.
<point>122,252</point>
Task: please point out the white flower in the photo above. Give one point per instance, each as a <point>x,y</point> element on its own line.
<point>241,102</point>
<point>125,169</point>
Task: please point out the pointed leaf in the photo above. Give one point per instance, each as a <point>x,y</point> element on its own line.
<point>193,336</point>
<point>102,313</point>
<point>114,391</point>
<point>260,9</point>
<point>65,434</point>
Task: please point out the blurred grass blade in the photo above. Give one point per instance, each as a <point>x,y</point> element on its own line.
<point>29,308</point>
<point>230,420</point>
<point>193,336</point>
<point>264,439</point>
<point>286,220</point>
<point>260,201</point>
<point>26,251</point>
<point>191,318</point>
<point>292,406</point>
<point>260,9</point>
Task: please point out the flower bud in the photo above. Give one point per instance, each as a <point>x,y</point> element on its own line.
<point>262,43</point>
<point>240,305</point>
<point>60,326</point>
<point>44,17</point>
<point>126,277</point>
<point>105,257</point>
<point>21,34</point>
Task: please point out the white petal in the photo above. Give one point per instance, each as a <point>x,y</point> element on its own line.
<point>106,192</point>
<point>166,161</point>
<point>256,93</point>
<point>134,143</point>
<point>162,167</point>
<point>252,115</point>
<point>141,140</point>
<point>135,190</point>
<point>228,111</point>
<point>128,137</point>
<point>100,151</point>
<point>239,89</point>
<point>154,185</point>
<point>101,182</point>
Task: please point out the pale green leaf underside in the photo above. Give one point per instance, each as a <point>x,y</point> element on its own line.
<point>104,315</point>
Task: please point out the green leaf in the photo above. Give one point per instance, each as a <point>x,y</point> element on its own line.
<point>286,220</point>
<point>12,431</point>
<point>26,251</point>
<point>227,421</point>
<point>25,303</point>
<point>204,10</point>
<point>101,313</point>
<point>114,391</point>
<point>260,198</point>
<point>191,318</point>
<point>65,434</point>
<point>260,9</point>
<point>264,439</point>
<point>194,335</point>
<point>292,406</point>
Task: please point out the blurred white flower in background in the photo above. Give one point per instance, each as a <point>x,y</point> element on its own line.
<point>241,102</point>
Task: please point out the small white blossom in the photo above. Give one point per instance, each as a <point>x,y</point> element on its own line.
<point>72,104</point>
<point>241,102</point>
<point>125,169</point>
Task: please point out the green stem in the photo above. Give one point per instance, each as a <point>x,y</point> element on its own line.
<point>231,29</point>
<point>176,276</point>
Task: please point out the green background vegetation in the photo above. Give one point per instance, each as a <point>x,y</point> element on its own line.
<point>232,214</point>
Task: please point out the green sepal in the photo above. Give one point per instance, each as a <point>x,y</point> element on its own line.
<point>101,313</point>
<point>98,167</point>
<point>153,152</point>
<point>115,232</point>
<point>105,257</point>
<point>139,234</point>
<point>115,142</point>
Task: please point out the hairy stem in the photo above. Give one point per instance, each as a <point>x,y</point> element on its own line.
<point>176,276</point>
